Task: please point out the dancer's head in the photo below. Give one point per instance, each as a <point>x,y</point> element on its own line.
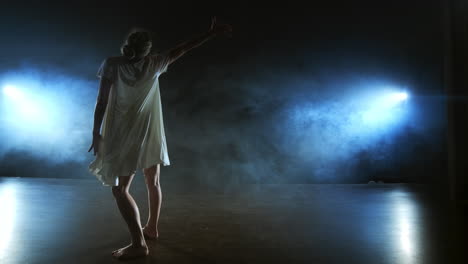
<point>137,45</point>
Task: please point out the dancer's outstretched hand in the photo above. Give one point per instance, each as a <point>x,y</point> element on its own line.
<point>220,28</point>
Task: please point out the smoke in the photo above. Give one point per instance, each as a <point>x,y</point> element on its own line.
<point>227,125</point>
<point>325,127</point>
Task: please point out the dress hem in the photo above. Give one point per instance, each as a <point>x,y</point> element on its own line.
<point>115,181</point>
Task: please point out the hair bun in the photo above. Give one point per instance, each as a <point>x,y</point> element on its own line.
<point>128,51</point>
<point>137,44</point>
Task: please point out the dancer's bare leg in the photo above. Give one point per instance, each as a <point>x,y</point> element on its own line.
<point>129,210</point>
<point>154,200</point>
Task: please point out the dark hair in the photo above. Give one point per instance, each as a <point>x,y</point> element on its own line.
<point>138,42</point>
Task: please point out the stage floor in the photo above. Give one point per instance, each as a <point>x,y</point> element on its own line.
<point>45,220</point>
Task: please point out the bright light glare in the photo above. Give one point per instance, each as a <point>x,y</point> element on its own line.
<point>405,217</point>
<point>12,92</point>
<point>401,96</point>
<point>31,108</point>
<point>45,113</point>
<point>384,108</point>
<point>33,114</point>
<point>7,217</point>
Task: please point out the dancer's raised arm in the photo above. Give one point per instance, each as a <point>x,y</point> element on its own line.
<point>182,48</point>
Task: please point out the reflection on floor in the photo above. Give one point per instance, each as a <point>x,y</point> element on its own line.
<point>77,221</point>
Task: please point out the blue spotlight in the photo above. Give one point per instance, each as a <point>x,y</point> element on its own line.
<point>31,108</point>
<point>401,96</point>
<point>339,126</point>
<point>384,109</point>
<point>394,98</point>
<point>45,113</point>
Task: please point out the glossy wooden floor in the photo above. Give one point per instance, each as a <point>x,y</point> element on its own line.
<point>77,221</point>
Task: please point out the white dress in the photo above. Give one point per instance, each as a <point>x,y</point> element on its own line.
<point>132,129</point>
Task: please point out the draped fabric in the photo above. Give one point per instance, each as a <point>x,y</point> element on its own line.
<point>132,130</point>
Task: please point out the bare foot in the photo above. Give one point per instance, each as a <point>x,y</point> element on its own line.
<point>130,252</point>
<point>150,234</point>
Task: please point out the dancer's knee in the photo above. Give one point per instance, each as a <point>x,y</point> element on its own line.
<point>152,180</point>
<point>119,191</point>
<point>152,175</point>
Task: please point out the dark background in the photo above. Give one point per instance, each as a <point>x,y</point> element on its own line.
<point>224,103</point>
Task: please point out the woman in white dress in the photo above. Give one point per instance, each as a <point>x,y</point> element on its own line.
<point>132,136</point>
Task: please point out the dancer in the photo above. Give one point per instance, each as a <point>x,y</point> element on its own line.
<point>132,137</point>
